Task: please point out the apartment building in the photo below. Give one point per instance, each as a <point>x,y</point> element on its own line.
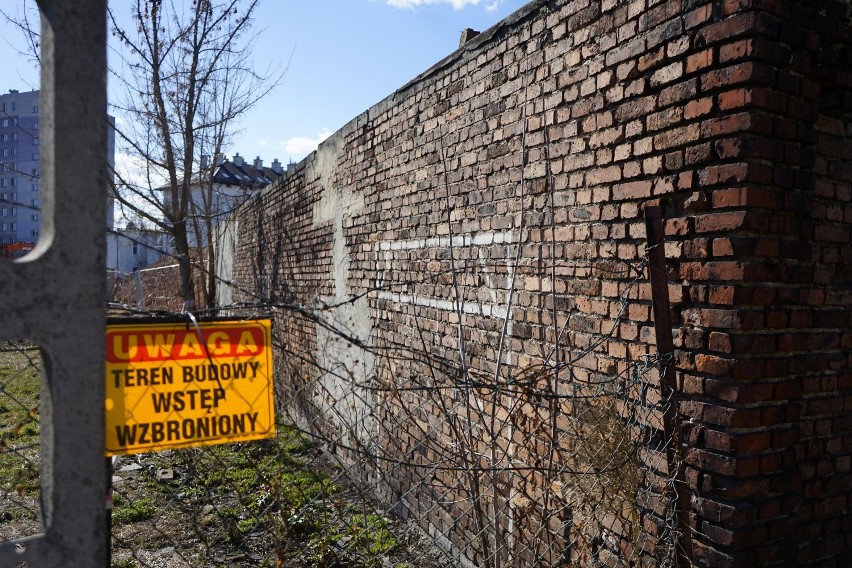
<point>20,168</point>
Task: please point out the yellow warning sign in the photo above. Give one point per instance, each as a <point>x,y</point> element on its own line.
<point>173,385</point>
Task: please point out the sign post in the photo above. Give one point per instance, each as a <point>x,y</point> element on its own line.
<point>174,385</point>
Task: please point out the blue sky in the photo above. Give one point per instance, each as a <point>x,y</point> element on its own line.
<point>342,56</point>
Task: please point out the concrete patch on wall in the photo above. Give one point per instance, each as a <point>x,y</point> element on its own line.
<point>344,365</point>
<point>225,244</point>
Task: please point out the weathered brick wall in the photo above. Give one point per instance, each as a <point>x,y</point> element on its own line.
<point>554,130</point>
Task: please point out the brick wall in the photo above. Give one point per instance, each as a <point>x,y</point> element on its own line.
<point>521,164</point>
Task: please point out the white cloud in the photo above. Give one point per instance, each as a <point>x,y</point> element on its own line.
<point>300,146</point>
<point>131,170</point>
<point>456,4</point>
<point>134,185</point>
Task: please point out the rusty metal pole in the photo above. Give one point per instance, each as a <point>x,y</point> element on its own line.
<point>668,381</point>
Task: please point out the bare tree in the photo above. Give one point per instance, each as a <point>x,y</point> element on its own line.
<point>186,75</point>
<point>181,76</point>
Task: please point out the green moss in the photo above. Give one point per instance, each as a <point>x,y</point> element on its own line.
<point>139,510</point>
<point>20,382</point>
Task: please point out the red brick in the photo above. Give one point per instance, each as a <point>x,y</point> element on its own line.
<point>715,222</point>
<point>732,75</point>
<point>736,50</point>
<point>632,190</point>
<point>713,318</point>
<point>722,247</point>
<point>731,197</point>
<point>697,16</point>
<point>664,118</point>
<point>676,137</point>
<point>730,7</point>
<point>697,108</point>
<point>651,59</point>
<point>702,459</point>
<point>603,175</point>
<point>675,227</point>
<point>713,365</point>
<point>667,74</point>
<point>722,294</point>
<point>700,60</point>
<point>727,29</point>
<point>720,342</point>
<point>728,124</point>
<point>735,98</point>
<point>678,93</point>
<point>726,173</point>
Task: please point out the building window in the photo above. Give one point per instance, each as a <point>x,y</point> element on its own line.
<point>35,140</point>
<point>14,136</point>
<point>35,108</point>
<point>34,217</point>
<point>5,123</point>
<point>13,182</point>
<point>3,227</point>
<point>34,232</point>
<point>35,202</point>
<point>35,125</point>
<point>135,248</point>
<point>4,183</point>
<point>6,152</point>
<point>6,137</point>
<point>34,187</point>
<point>35,155</point>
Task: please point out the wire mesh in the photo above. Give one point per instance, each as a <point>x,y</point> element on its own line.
<point>548,461</point>
<point>20,383</point>
<point>420,453</point>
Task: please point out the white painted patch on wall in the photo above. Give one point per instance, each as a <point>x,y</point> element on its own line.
<point>469,308</point>
<point>458,241</point>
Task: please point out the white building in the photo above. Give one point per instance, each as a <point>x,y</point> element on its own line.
<point>233,182</point>
<point>131,249</point>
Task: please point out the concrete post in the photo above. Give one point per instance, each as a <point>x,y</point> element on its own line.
<point>55,295</point>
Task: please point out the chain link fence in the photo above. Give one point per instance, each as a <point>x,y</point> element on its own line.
<point>553,459</point>
<point>399,455</point>
<point>20,382</point>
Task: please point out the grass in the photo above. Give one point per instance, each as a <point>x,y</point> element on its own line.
<point>20,381</point>
<point>272,495</point>
<point>135,511</point>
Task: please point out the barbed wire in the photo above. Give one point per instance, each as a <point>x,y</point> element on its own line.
<point>444,379</point>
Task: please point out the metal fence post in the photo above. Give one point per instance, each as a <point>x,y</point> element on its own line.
<point>668,381</point>
<point>140,298</point>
